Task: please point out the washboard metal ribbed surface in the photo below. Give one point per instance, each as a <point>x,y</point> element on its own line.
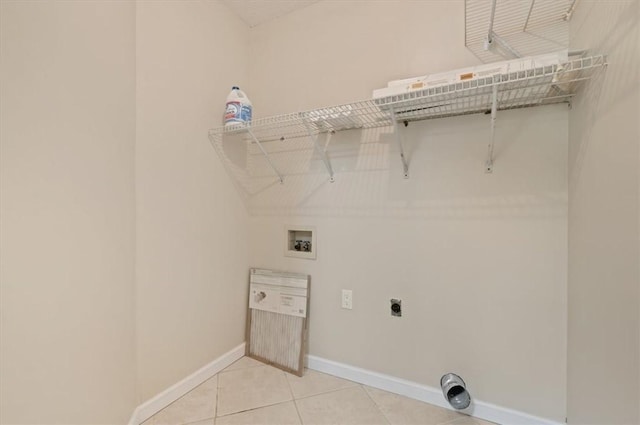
<point>277,319</point>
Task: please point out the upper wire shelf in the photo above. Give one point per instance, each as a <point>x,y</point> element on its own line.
<point>533,87</point>
<point>499,29</point>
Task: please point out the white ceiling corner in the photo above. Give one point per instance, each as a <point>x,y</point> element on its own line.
<point>256,12</point>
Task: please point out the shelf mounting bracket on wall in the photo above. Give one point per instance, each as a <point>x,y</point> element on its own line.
<point>567,16</point>
<point>321,152</point>
<point>266,155</point>
<point>494,108</point>
<point>396,132</point>
<point>493,37</point>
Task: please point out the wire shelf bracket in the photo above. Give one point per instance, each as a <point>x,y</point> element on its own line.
<point>398,136</point>
<point>266,155</point>
<point>493,37</point>
<point>321,152</point>
<point>494,109</point>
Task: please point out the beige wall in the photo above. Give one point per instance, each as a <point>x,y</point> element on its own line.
<point>479,260</point>
<point>68,212</point>
<point>603,351</point>
<point>339,51</point>
<point>191,257</point>
<point>123,241</point>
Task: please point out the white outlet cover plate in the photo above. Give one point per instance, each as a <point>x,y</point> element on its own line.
<point>347,299</point>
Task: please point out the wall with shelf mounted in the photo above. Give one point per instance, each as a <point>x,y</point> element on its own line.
<point>494,243</point>
<point>534,86</point>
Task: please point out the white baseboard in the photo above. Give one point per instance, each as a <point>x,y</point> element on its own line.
<point>478,409</point>
<point>177,390</point>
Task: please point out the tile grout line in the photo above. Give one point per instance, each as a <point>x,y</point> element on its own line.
<point>256,407</point>
<point>251,409</point>
<point>295,403</point>
<point>364,388</point>
<point>327,392</point>
<point>241,368</point>
<point>218,389</point>
<point>216,403</point>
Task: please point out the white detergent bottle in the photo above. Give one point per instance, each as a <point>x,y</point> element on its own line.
<point>239,108</point>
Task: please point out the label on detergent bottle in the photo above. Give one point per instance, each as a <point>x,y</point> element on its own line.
<point>245,113</point>
<point>233,112</point>
<point>236,112</point>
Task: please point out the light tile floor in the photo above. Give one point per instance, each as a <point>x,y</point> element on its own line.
<point>250,392</point>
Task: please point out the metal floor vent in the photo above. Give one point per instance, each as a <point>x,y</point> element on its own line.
<point>277,319</point>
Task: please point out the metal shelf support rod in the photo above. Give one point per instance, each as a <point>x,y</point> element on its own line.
<point>396,132</point>
<point>569,13</point>
<point>526,23</point>
<point>492,36</point>
<point>320,151</point>
<point>493,15</point>
<point>266,155</point>
<point>494,109</point>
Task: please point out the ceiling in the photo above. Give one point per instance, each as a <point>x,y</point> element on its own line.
<point>256,12</point>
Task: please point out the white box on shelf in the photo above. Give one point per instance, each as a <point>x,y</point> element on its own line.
<point>424,82</point>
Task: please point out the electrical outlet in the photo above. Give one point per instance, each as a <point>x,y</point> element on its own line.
<point>347,299</point>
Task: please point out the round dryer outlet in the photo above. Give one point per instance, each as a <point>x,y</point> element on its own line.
<point>396,307</point>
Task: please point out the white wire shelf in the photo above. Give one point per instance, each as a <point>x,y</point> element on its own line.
<point>532,87</point>
<point>271,147</point>
<point>520,28</point>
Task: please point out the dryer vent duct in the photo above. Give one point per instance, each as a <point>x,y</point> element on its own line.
<point>455,391</point>
<point>277,322</point>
